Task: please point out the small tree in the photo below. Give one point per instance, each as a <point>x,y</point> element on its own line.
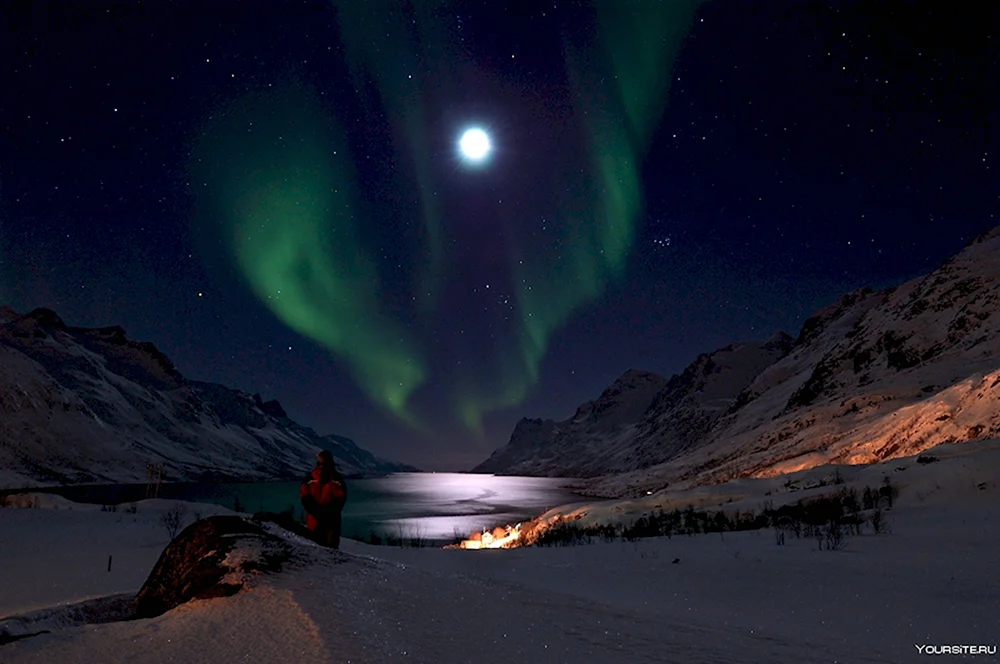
<point>173,518</point>
<point>720,522</point>
<point>780,523</point>
<point>852,508</point>
<point>690,520</point>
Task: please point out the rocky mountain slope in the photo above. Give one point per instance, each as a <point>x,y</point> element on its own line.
<point>90,405</point>
<point>575,447</point>
<point>642,419</point>
<point>874,376</point>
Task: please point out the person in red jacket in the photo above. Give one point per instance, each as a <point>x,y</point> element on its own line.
<point>323,494</point>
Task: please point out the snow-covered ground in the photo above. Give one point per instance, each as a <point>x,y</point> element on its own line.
<point>732,598</point>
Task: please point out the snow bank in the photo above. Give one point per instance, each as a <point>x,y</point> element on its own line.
<point>706,598</point>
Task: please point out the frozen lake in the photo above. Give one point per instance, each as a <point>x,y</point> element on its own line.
<point>431,506</point>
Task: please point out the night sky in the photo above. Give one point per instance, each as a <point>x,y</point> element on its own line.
<point>272,192</point>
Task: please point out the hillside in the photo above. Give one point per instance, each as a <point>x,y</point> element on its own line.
<point>90,405</point>
<point>576,447</point>
<point>640,420</point>
<point>874,376</point>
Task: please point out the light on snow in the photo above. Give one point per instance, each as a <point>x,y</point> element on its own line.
<point>505,537</point>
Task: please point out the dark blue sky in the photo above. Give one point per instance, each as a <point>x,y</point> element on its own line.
<point>806,149</point>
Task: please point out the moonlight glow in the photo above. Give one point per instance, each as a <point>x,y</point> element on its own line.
<point>475,144</point>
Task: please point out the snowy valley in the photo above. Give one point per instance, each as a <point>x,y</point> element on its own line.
<point>921,587</point>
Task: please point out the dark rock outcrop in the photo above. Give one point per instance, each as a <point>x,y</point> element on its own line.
<point>272,407</point>
<point>197,564</point>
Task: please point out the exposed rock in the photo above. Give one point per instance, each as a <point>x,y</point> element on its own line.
<point>209,558</point>
<point>272,408</point>
<point>283,520</point>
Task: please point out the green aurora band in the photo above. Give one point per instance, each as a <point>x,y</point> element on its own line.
<point>288,198</point>
<point>288,195</point>
<point>410,37</point>
<point>622,91</point>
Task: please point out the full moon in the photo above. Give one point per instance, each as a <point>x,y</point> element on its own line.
<point>475,144</point>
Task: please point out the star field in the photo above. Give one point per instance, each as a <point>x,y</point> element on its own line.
<point>273,193</point>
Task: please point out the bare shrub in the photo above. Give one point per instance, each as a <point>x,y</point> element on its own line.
<point>879,521</point>
<point>869,498</point>
<point>781,524</point>
<point>173,518</point>
<point>417,538</point>
<point>888,492</point>
<point>833,534</point>
<point>853,523</point>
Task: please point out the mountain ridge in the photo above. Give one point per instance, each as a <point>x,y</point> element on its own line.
<point>91,405</point>
<point>872,376</point>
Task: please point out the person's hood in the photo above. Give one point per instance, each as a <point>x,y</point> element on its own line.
<point>317,474</point>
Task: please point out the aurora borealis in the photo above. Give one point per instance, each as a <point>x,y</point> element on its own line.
<point>278,170</point>
<point>275,194</point>
<point>291,218</point>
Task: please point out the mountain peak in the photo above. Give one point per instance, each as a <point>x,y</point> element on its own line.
<point>819,321</point>
<point>991,234</point>
<point>638,376</point>
<point>779,341</point>
<point>7,314</point>
<point>46,318</point>
<point>272,407</point>
<point>90,405</point>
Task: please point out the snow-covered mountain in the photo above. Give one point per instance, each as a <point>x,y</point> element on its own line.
<point>642,419</point>
<point>90,405</point>
<point>576,447</point>
<point>876,375</point>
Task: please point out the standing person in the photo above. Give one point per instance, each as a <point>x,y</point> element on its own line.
<point>323,493</point>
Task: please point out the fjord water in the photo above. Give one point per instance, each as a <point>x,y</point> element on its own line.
<point>428,506</point>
